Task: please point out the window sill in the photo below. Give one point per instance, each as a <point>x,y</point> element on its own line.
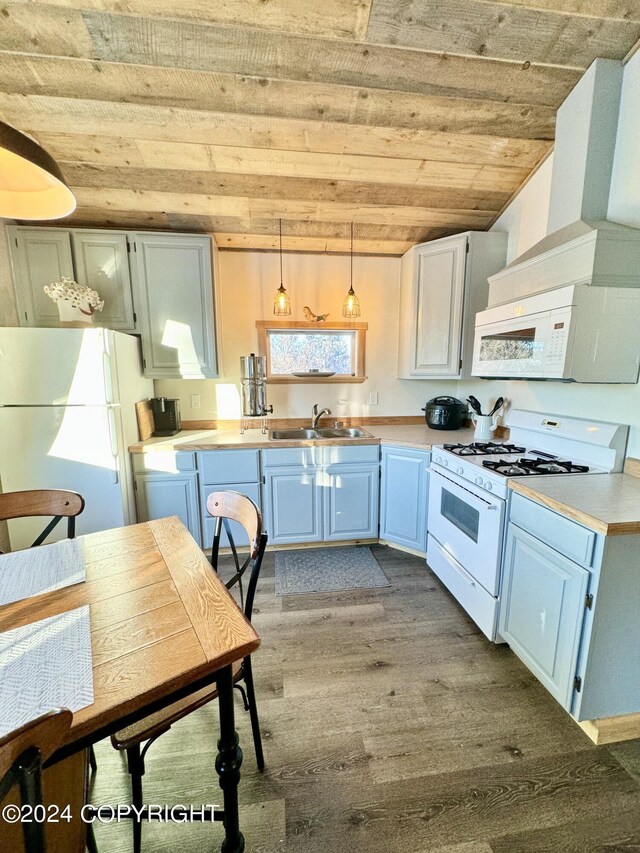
<point>308,380</point>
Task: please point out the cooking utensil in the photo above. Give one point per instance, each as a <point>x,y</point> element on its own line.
<point>498,405</point>
<point>445,413</point>
<point>475,404</point>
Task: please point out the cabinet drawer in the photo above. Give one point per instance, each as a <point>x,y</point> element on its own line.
<point>351,453</point>
<point>164,462</point>
<point>482,607</point>
<point>218,467</point>
<point>281,456</point>
<point>565,536</point>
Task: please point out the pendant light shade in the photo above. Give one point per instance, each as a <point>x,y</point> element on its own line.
<point>31,183</point>
<point>351,304</point>
<point>281,303</point>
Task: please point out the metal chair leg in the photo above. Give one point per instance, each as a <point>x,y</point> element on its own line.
<point>253,713</point>
<point>92,847</point>
<point>241,690</point>
<point>92,759</point>
<point>30,783</point>
<point>135,765</point>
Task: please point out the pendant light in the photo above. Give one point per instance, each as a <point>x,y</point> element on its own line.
<point>351,304</point>
<point>31,183</point>
<point>281,303</point>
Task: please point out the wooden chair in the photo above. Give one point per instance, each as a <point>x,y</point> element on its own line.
<point>22,754</point>
<point>46,502</point>
<point>225,507</point>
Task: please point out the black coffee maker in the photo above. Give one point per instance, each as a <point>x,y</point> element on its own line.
<point>166,415</point>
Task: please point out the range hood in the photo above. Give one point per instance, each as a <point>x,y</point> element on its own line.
<point>581,247</point>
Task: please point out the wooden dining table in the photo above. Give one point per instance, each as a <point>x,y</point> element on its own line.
<point>163,625</point>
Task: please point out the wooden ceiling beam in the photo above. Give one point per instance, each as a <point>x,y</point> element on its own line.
<point>252,52</point>
<point>240,94</point>
<point>36,113</point>
<point>162,155</point>
<point>219,183</point>
<point>345,19</point>
<point>501,30</point>
<point>261,208</point>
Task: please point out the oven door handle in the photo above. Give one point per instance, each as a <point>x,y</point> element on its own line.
<point>458,568</point>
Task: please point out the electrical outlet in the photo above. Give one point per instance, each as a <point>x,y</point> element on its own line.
<point>195,401</point>
<point>373,398</point>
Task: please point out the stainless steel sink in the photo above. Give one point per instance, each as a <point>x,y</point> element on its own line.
<point>343,432</point>
<point>321,432</point>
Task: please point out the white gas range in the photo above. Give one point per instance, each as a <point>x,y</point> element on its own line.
<point>469,492</point>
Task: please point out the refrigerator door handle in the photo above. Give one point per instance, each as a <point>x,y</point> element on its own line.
<point>113,439</point>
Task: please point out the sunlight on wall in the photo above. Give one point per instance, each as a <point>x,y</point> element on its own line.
<point>178,336</point>
<point>228,404</point>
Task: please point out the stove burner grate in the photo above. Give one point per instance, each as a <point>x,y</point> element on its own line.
<point>482,448</point>
<point>531,467</point>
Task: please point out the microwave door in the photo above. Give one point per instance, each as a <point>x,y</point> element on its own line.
<point>515,348</point>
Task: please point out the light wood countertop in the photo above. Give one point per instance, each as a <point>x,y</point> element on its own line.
<point>606,503</point>
<point>412,435</point>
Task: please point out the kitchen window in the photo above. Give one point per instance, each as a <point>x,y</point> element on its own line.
<point>312,352</point>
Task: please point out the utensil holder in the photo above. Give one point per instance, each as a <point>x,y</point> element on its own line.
<point>486,425</point>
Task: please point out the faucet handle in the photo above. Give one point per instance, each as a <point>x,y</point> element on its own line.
<point>315,408</point>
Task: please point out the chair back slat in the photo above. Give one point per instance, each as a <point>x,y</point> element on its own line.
<point>232,506</point>
<point>44,734</point>
<point>58,503</point>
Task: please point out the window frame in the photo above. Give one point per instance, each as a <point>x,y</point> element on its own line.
<point>265,326</point>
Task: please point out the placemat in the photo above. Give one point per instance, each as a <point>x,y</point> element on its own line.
<point>37,570</point>
<point>44,665</point>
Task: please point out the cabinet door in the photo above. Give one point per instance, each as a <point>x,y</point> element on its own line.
<point>351,495</point>
<point>39,256</point>
<point>159,496</point>
<point>293,506</point>
<point>404,497</point>
<point>542,611</point>
<point>102,262</point>
<point>251,490</point>
<point>435,309</point>
<point>174,280</point>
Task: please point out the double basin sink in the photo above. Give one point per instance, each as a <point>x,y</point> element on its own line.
<point>319,432</point>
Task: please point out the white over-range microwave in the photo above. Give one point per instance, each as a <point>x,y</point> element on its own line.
<point>577,333</point>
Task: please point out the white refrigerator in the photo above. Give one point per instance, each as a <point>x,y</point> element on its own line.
<point>67,417</point>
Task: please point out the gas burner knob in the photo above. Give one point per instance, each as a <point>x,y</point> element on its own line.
<point>459,470</point>
<point>479,481</point>
<point>445,463</point>
<point>488,486</point>
<point>437,459</point>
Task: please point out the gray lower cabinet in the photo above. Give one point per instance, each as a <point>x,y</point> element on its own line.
<point>404,495</point>
<point>227,470</point>
<point>321,494</point>
<point>569,609</point>
<point>543,602</point>
<point>167,484</point>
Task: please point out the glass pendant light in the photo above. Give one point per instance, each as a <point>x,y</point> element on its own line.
<point>31,183</point>
<point>351,304</point>
<point>281,303</point>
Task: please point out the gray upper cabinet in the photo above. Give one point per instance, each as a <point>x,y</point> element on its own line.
<point>39,256</point>
<point>101,261</point>
<point>443,284</point>
<point>173,277</point>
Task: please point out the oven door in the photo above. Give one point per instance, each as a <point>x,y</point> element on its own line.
<point>468,525</point>
<point>516,347</point>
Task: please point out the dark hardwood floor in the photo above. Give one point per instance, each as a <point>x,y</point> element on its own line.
<point>390,724</point>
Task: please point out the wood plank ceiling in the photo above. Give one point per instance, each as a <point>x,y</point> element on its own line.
<point>411,118</point>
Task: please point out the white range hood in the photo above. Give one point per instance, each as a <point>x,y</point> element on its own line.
<point>581,247</point>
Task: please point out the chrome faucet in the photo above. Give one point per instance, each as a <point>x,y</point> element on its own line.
<point>315,417</point>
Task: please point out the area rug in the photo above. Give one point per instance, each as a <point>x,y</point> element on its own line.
<point>327,570</point>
